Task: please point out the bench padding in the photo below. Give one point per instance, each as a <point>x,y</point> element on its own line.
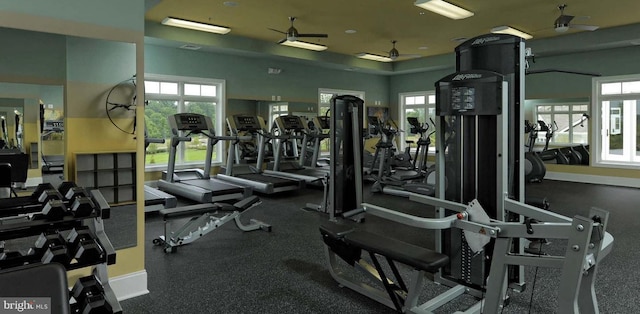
<point>412,255</point>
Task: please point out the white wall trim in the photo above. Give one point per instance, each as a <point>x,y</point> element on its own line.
<point>588,178</point>
<point>130,285</point>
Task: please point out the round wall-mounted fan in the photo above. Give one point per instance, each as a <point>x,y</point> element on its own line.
<point>293,34</point>
<point>120,105</point>
<point>563,22</point>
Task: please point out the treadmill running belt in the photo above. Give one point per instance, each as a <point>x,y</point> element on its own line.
<point>277,182</point>
<point>216,187</point>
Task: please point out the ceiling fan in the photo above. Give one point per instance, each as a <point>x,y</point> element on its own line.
<point>293,34</point>
<point>563,22</point>
<point>395,54</point>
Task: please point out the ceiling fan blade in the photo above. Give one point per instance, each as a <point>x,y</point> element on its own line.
<point>275,30</point>
<point>314,35</point>
<point>564,19</point>
<point>584,27</point>
<point>409,56</point>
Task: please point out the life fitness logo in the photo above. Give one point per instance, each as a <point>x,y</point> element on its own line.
<point>483,40</point>
<point>31,305</point>
<point>463,77</point>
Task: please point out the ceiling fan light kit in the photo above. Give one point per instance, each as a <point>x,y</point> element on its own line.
<point>369,56</point>
<point>204,27</point>
<point>511,31</point>
<point>303,45</point>
<point>444,8</point>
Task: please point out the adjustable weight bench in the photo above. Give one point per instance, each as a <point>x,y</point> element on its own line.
<point>203,220</point>
<point>348,244</point>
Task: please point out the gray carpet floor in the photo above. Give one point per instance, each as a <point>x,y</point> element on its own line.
<point>284,271</point>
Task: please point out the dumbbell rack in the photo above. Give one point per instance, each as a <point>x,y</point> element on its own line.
<point>23,217</point>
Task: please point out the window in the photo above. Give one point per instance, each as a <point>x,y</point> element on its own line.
<point>616,110</point>
<point>167,95</point>
<point>421,105</point>
<point>276,110</point>
<point>569,120</point>
<point>324,103</point>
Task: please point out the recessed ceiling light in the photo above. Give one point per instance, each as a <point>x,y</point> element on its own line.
<point>459,39</point>
<point>423,48</point>
<point>230,3</point>
<point>350,31</point>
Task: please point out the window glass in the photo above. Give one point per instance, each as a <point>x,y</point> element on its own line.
<point>197,148</point>
<point>155,115</point>
<point>192,89</point>
<point>152,87</point>
<point>611,88</point>
<point>410,100</point>
<point>208,90</point>
<point>561,108</point>
<point>631,87</point>
<point>169,88</point>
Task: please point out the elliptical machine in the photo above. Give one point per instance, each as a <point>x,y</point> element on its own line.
<point>534,168</point>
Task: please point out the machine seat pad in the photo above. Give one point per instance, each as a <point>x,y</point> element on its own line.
<point>406,253</point>
<point>335,231</point>
<point>190,210</point>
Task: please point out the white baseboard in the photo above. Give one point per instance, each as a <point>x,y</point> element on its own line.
<point>130,285</point>
<point>589,178</point>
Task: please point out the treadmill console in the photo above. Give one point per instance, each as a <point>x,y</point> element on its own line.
<point>322,122</point>
<point>290,123</point>
<point>190,122</point>
<point>247,123</point>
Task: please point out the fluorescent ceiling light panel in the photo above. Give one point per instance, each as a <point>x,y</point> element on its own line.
<point>303,45</point>
<point>511,31</point>
<point>204,27</point>
<point>444,8</point>
<point>373,57</point>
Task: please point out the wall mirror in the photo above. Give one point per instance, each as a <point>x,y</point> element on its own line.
<point>58,84</point>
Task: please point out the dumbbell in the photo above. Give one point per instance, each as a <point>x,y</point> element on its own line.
<point>89,295</point>
<point>41,188</point>
<point>52,248</point>
<point>83,247</point>
<point>78,197</point>
<point>9,259</point>
<point>65,186</point>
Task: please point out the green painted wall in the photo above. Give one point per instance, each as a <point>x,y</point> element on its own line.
<point>29,56</point>
<point>247,78</point>
<point>124,14</point>
<point>607,62</point>
<point>99,61</point>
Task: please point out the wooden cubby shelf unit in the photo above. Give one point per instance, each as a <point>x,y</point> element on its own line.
<point>113,173</point>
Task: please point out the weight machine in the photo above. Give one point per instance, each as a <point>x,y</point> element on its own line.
<point>481,221</point>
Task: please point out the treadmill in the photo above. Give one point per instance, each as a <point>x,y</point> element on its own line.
<point>290,126</point>
<point>154,199</point>
<point>197,184</point>
<point>254,176</point>
<point>317,128</point>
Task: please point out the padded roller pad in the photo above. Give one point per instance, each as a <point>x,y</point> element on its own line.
<point>409,254</point>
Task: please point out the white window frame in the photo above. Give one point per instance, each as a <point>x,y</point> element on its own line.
<point>220,123</point>
<point>404,125</point>
<point>359,94</point>
<point>541,135</point>
<point>630,160</point>
<point>279,112</point>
